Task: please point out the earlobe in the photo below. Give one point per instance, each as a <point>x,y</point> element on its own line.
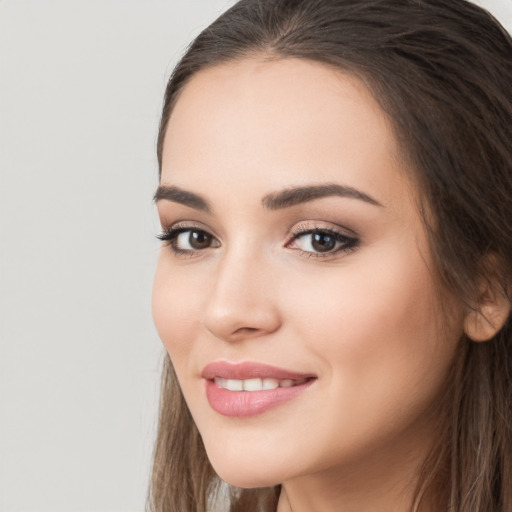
<point>490,314</point>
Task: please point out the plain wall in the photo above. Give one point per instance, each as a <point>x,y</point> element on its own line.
<point>81,86</point>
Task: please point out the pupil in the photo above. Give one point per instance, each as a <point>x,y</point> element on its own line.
<point>323,243</point>
<point>199,239</point>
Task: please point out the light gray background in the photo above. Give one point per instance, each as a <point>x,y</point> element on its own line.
<point>81,85</point>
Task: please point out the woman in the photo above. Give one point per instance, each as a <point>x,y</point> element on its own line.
<point>335,199</point>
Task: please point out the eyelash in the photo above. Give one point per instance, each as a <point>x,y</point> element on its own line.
<point>347,243</point>
<point>170,235</point>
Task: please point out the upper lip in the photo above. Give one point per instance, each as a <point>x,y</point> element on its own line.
<point>249,370</point>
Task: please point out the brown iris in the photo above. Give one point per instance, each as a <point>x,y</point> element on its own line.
<point>323,242</point>
<point>199,240</point>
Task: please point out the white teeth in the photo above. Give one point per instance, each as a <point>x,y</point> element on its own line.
<point>270,383</point>
<point>220,382</point>
<point>234,385</point>
<point>255,384</point>
<point>252,384</point>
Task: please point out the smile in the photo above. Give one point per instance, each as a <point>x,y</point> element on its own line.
<point>247,389</point>
<point>256,384</point>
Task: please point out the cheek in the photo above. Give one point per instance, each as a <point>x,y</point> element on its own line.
<point>375,334</point>
<point>376,323</point>
<point>174,306</point>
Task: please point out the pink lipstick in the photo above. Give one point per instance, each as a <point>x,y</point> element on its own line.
<point>246,389</point>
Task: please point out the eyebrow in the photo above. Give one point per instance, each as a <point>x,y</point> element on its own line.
<point>178,195</point>
<point>274,201</point>
<point>297,195</point>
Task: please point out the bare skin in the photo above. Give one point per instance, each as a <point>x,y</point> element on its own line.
<point>357,306</point>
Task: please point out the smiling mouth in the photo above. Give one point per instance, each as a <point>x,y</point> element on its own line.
<point>241,390</point>
<point>252,371</point>
<point>257,384</point>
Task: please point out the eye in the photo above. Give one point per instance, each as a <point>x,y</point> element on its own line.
<point>188,239</point>
<point>318,242</point>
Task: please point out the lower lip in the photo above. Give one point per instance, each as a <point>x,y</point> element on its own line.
<point>241,404</point>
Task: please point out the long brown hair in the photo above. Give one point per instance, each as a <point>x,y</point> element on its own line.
<point>442,72</point>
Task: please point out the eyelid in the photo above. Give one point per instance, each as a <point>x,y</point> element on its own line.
<point>345,238</point>
<point>185,225</point>
<point>314,226</point>
<point>171,232</point>
<point>348,239</point>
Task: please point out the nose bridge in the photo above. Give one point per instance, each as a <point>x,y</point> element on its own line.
<point>241,302</point>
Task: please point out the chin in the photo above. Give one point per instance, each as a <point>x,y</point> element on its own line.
<point>240,475</point>
<point>247,483</point>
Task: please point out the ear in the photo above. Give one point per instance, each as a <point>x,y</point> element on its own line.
<point>492,307</point>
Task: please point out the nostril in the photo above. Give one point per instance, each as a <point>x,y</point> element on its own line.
<point>245,333</point>
<point>246,330</point>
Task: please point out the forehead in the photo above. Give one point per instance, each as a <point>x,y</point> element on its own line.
<point>264,124</point>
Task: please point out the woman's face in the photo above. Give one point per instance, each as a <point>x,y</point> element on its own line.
<point>296,293</point>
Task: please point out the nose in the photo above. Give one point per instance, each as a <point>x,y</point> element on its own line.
<point>242,303</point>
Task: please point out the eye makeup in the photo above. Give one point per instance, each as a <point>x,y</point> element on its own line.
<point>187,239</point>
<point>309,240</point>
<point>319,241</point>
